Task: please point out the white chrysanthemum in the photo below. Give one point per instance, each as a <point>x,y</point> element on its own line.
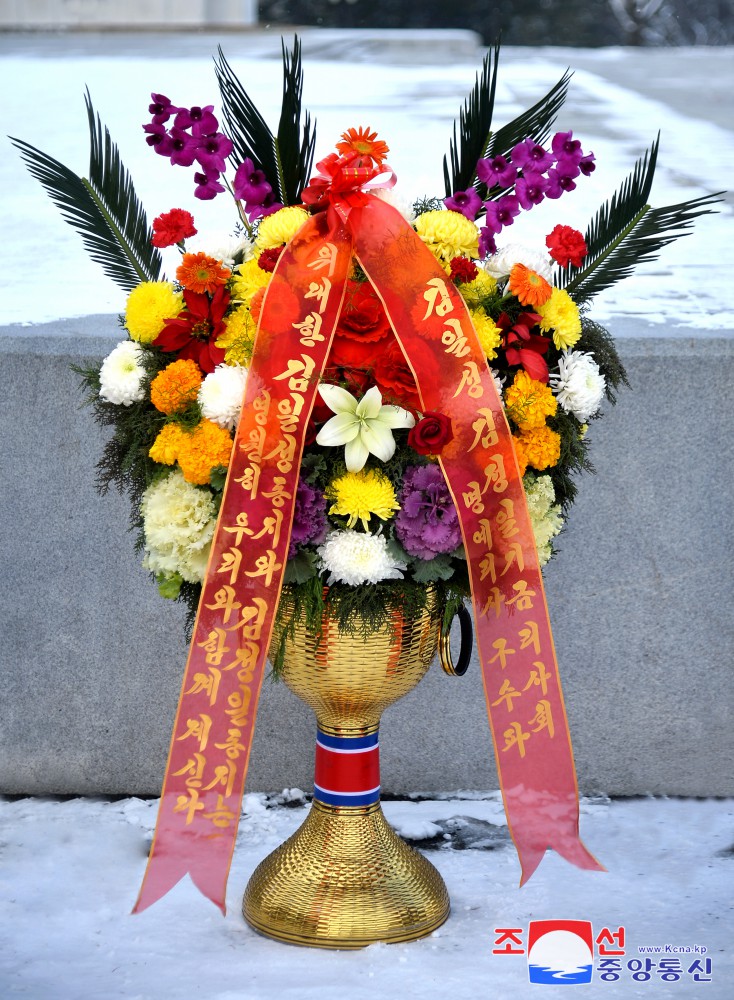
<point>579,385</point>
<point>225,246</point>
<point>121,375</point>
<point>353,558</point>
<point>178,521</point>
<point>220,395</point>
<point>398,201</point>
<point>545,515</point>
<point>500,264</point>
<point>498,380</point>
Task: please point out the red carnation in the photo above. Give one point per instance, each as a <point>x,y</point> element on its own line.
<point>430,434</point>
<point>269,258</point>
<point>172,227</point>
<point>463,269</point>
<point>566,246</point>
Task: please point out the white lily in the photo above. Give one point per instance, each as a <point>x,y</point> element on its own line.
<point>365,427</point>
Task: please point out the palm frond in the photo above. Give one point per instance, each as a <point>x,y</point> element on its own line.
<point>104,208</point>
<point>626,231</point>
<point>285,159</point>
<point>475,128</point>
<point>535,123</point>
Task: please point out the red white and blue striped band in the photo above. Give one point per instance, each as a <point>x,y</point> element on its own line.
<point>347,771</point>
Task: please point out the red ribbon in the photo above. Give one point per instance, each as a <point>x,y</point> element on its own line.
<point>212,736</point>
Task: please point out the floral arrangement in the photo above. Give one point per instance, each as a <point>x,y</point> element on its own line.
<point>374,519</point>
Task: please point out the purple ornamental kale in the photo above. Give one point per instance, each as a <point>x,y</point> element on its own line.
<point>309,518</point>
<point>427,523</point>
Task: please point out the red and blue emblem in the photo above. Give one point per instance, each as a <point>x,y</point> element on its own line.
<point>347,771</point>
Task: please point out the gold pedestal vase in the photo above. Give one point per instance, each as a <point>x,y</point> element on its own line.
<point>345,879</point>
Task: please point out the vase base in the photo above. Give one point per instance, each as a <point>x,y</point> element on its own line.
<point>345,880</point>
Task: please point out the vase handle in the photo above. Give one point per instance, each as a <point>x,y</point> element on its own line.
<point>444,645</point>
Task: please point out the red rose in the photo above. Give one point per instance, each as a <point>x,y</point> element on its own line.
<point>566,246</point>
<point>394,378</point>
<point>172,227</point>
<point>431,433</point>
<point>362,317</point>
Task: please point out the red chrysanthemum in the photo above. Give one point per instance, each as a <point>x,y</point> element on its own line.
<point>566,246</point>
<point>172,227</point>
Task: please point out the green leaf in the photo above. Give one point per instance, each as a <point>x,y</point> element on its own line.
<point>104,209</point>
<point>285,159</point>
<point>439,568</point>
<point>169,586</point>
<point>475,128</point>
<point>301,567</point>
<point>626,231</point>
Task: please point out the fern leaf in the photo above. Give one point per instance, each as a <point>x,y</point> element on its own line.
<point>285,159</point>
<point>627,231</point>
<point>475,128</point>
<point>104,209</point>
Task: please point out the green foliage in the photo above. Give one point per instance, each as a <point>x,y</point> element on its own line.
<point>573,460</point>
<point>285,158</point>
<point>104,209</point>
<point>626,232</point>
<point>597,341</point>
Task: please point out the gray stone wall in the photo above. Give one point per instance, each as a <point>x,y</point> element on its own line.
<point>640,599</point>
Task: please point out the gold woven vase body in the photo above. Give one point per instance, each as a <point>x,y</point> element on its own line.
<point>345,879</point>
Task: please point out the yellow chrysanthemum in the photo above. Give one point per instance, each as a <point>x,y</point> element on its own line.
<point>165,446</point>
<point>488,332</point>
<point>280,227</point>
<point>560,315</point>
<point>357,495</point>
<point>473,292</point>
<point>448,234</point>
<point>529,402</point>
<point>247,278</point>
<point>148,307</point>
<point>202,450</point>
<point>176,386</point>
<point>542,447</point>
<point>238,338</point>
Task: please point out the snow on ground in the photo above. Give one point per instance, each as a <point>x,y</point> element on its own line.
<point>71,871</point>
<point>46,272</point>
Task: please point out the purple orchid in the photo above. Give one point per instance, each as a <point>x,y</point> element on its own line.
<point>531,156</point>
<point>467,202</point>
<point>564,145</point>
<point>212,151</point>
<point>161,109</point>
<point>200,120</point>
<point>502,212</point>
<point>530,189</point>
<point>207,185</point>
<point>158,138</point>
<point>497,172</point>
<point>487,244</point>
<point>183,148</point>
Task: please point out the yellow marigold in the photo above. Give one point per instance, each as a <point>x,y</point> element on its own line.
<point>542,446</point>
<point>473,292</point>
<point>280,227</point>
<point>148,307</point>
<point>176,386</point>
<point>529,287</point>
<point>203,449</point>
<point>448,234</point>
<point>488,332</point>
<point>238,338</point>
<point>248,277</point>
<point>165,446</point>
<point>521,457</point>
<point>560,314</point>
<point>357,495</point>
<point>529,402</point>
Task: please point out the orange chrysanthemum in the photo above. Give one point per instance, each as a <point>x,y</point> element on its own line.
<point>528,286</point>
<point>542,447</point>
<point>176,386</point>
<point>202,450</point>
<point>201,273</point>
<point>365,143</point>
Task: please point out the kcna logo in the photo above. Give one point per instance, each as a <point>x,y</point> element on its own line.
<point>560,951</point>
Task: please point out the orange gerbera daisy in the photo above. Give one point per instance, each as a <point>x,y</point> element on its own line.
<point>528,286</point>
<point>361,140</point>
<point>201,273</point>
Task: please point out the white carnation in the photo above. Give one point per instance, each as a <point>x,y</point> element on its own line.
<point>579,385</point>
<point>178,520</point>
<point>222,245</point>
<point>500,264</point>
<point>398,201</point>
<point>221,393</point>
<point>122,374</point>
<point>353,558</point>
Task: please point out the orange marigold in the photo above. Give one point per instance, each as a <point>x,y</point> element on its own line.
<point>366,143</point>
<point>542,447</point>
<point>201,273</point>
<point>165,446</point>
<point>202,450</point>
<point>176,386</point>
<point>528,286</point>
<point>529,402</point>
<point>520,456</point>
